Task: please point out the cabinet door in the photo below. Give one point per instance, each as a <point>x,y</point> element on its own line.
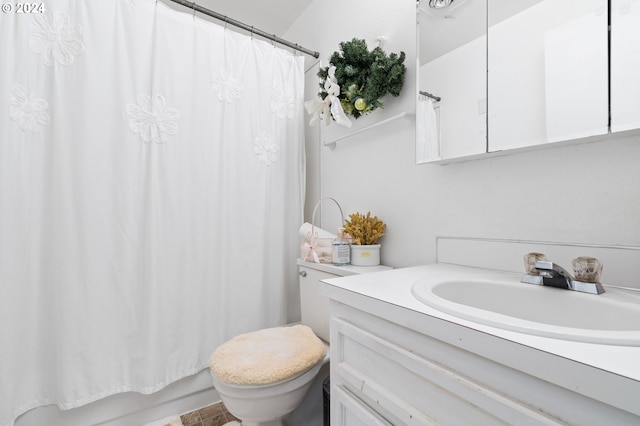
<point>547,73</point>
<point>625,65</point>
<point>348,410</point>
<point>453,69</point>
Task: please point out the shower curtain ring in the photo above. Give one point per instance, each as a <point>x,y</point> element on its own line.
<point>225,22</point>
<point>193,6</point>
<point>252,32</point>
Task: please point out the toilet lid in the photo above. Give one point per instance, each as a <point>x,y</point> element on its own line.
<point>267,356</point>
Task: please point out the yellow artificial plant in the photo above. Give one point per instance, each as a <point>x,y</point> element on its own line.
<point>364,230</point>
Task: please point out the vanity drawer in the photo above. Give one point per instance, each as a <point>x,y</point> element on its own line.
<point>408,389</point>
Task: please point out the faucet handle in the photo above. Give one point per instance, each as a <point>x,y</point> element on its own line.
<point>530,260</point>
<point>587,269</point>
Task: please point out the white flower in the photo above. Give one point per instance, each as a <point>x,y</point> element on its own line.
<point>227,87</point>
<point>55,39</point>
<point>152,119</point>
<point>282,100</point>
<point>266,149</point>
<point>29,111</point>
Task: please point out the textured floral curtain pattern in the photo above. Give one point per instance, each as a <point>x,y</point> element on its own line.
<point>150,195</point>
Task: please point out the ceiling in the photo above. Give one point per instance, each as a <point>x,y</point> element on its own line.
<point>270,16</point>
<point>440,32</point>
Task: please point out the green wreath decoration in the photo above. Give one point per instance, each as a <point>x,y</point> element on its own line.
<point>364,76</point>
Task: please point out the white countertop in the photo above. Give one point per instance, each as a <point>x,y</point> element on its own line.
<point>343,271</point>
<point>394,287</point>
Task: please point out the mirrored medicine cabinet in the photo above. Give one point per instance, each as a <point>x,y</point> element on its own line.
<point>498,75</point>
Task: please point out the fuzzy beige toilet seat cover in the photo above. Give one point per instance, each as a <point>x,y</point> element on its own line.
<point>267,356</point>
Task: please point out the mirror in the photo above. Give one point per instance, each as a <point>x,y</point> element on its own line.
<point>544,71</point>
<point>547,72</point>
<point>452,58</point>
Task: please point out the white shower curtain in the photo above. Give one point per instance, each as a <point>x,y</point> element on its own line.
<point>150,195</point>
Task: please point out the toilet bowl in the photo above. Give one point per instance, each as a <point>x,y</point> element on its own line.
<point>263,376</point>
<point>266,405</point>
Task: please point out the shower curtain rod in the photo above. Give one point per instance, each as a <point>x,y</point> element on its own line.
<point>227,20</point>
<point>429,95</point>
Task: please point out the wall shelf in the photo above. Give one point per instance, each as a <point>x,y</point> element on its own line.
<point>332,143</point>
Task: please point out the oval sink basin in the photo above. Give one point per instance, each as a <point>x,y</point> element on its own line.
<point>609,318</point>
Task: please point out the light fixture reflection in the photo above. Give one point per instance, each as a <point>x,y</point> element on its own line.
<point>439,4</point>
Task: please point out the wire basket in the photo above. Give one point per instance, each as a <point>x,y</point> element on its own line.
<point>316,248</point>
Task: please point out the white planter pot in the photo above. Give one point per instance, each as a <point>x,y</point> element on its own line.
<point>365,255</point>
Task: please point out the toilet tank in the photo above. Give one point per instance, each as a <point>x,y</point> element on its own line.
<point>314,306</point>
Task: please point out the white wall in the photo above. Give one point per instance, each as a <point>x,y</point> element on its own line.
<point>588,193</point>
<point>374,170</point>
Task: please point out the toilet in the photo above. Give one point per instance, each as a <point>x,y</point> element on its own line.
<point>263,376</point>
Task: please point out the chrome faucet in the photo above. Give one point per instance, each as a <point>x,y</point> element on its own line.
<point>553,275</point>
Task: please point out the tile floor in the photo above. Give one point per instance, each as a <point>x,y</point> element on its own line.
<point>213,415</point>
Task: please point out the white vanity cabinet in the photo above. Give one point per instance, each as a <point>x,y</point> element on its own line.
<point>394,365</point>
